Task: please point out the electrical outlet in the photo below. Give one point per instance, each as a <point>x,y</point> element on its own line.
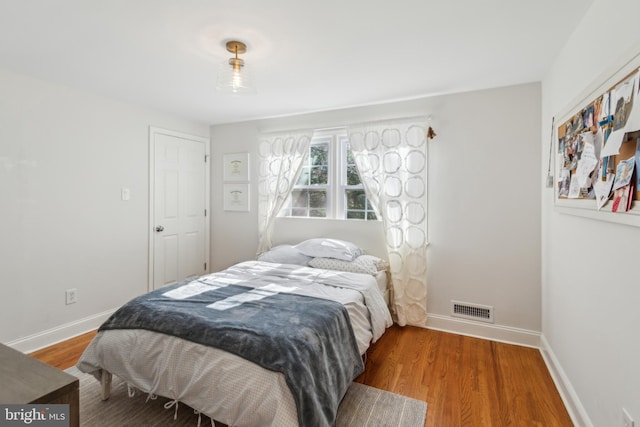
<point>71,296</point>
<point>627,421</point>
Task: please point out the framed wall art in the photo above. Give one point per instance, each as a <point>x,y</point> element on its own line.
<point>235,167</point>
<point>236,197</point>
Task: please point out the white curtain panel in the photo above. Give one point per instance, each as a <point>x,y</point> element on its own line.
<point>391,157</point>
<point>281,157</point>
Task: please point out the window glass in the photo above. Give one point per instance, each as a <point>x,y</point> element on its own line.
<point>309,195</point>
<point>356,205</point>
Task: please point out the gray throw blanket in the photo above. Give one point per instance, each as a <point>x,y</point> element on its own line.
<point>309,340</point>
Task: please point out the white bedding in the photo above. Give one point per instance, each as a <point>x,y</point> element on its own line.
<point>219,384</point>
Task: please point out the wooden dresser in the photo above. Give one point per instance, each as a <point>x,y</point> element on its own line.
<point>26,380</point>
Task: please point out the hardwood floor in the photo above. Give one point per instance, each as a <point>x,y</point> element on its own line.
<point>465,381</point>
<point>65,354</point>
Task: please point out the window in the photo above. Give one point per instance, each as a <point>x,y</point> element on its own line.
<point>309,195</point>
<point>355,204</point>
<point>329,185</point>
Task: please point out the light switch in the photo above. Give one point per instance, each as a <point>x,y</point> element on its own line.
<point>126,194</point>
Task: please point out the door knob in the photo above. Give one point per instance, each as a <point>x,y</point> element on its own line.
<point>159,229</point>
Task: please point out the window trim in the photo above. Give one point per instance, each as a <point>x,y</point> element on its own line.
<point>343,142</point>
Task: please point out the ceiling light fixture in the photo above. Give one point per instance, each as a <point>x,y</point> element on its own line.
<point>234,76</point>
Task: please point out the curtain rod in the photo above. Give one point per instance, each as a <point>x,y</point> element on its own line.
<point>428,119</point>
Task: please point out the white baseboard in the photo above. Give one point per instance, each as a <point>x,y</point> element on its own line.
<point>569,396</point>
<point>487,331</point>
<point>60,333</point>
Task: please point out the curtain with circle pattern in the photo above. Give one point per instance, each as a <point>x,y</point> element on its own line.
<point>281,157</point>
<point>391,157</point>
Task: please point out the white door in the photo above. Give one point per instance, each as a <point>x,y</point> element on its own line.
<point>179,192</point>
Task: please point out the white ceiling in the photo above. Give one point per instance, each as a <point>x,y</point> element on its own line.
<point>306,55</point>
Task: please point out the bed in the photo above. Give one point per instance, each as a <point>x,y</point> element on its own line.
<point>257,372</point>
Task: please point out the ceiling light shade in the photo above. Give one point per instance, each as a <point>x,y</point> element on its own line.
<point>234,76</point>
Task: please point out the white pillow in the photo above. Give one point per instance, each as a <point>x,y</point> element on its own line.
<point>329,248</point>
<point>284,254</point>
<point>367,264</point>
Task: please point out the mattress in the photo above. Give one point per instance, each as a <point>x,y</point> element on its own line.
<point>383,284</point>
<point>224,386</point>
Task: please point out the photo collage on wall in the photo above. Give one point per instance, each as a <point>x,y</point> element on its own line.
<point>598,151</point>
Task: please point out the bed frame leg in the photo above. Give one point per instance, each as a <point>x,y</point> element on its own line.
<point>106,384</point>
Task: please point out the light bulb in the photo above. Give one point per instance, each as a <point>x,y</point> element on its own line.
<point>236,80</point>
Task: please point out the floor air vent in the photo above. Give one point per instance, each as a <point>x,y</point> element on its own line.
<point>483,313</point>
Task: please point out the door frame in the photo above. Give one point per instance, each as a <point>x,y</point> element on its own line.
<point>153,131</point>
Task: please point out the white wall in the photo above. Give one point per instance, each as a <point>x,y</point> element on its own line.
<point>64,156</point>
<point>591,289</point>
<point>484,193</point>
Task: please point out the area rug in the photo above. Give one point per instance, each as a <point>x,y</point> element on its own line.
<point>362,406</point>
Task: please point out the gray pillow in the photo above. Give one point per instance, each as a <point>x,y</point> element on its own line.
<point>367,264</point>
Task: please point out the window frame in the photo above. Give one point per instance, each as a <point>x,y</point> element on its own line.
<point>343,186</point>
<point>288,208</point>
<point>336,188</point>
